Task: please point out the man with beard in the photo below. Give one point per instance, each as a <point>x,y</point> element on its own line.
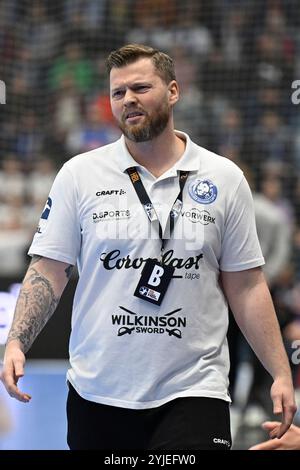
<point>158,263</point>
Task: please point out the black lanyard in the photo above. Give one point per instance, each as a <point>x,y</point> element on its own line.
<point>148,206</point>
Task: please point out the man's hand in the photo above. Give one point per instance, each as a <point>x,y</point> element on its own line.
<point>282,394</point>
<point>13,369</point>
<point>290,440</point>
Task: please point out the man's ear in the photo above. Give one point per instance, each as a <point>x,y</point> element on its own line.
<point>173,92</point>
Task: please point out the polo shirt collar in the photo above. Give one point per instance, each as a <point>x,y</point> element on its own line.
<point>189,161</point>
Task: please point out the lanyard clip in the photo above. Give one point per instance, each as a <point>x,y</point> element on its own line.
<point>162,251</point>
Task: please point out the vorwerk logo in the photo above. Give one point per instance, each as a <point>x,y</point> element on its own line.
<point>2,92</point>
<point>194,215</point>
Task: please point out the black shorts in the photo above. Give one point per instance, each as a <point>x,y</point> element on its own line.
<point>181,424</point>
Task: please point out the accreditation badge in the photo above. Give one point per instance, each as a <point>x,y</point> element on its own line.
<point>154,282</point>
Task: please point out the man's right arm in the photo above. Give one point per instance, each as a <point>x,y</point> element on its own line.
<point>41,290</point>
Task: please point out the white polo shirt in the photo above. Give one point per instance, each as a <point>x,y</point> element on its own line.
<point>125,351</point>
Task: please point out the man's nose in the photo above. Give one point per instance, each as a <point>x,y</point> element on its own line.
<point>129,98</point>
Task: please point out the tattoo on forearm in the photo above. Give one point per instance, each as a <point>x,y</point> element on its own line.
<point>69,271</point>
<point>35,305</point>
<point>35,259</point>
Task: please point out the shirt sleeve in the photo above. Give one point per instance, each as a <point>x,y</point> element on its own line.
<point>240,246</point>
<point>58,235</point>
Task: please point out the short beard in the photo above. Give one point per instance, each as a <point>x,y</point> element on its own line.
<point>153,126</point>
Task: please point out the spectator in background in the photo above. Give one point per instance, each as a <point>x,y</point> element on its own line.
<point>276,25</point>
<point>73,63</point>
<point>91,12</point>
<point>191,32</point>
<point>87,21</point>
<point>120,17</point>
<point>95,131</point>
<point>274,236</point>
<point>260,100</point>
<point>12,180</point>
<point>39,181</point>
<point>67,107</point>
<point>41,35</point>
<point>8,43</point>
<point>12,214</point>
<point>164,24</point>
<point>233,36</point>
<point>270,143</point>
<point>271,66</point>
<point>152,22</point>
<point>14,235</point>
<point>192,111</point>
<point>24,80</point>
<point>275,188</point>
<point>29,140</point>
<point>230,138</point>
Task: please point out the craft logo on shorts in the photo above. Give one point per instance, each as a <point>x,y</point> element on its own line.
<point>203,191</point>
<point>224,442</point>
<point>2,92</point>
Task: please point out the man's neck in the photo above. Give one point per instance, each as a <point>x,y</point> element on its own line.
<point>159,154</point>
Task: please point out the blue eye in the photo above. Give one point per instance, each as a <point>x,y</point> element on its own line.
<point>117,94</point>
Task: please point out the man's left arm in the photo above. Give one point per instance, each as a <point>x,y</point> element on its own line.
<point>250,301</point>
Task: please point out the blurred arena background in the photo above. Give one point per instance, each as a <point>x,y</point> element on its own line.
<point>237,65</point>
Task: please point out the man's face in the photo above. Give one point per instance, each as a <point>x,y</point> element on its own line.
<point>140,100</point>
